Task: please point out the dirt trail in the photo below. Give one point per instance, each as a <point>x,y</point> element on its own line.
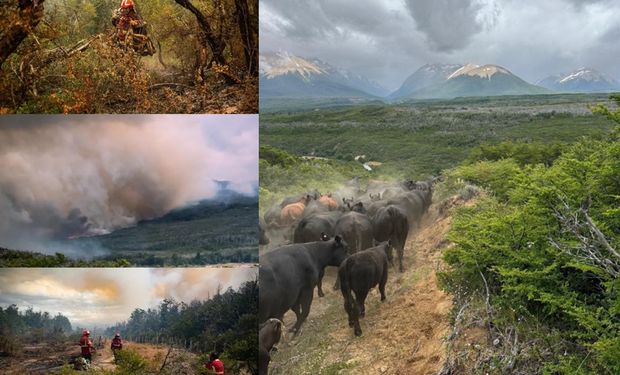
<point>403,335</point>
<point>44,358</point>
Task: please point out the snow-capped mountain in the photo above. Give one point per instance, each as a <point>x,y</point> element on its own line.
<point>470,80</point>
<point>286,75</point>
<point>427,75</point>
<point>580,80</point>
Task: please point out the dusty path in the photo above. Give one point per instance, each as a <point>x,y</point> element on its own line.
<point>403,335</point>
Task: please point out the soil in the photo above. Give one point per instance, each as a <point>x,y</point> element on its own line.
<point>46,357</point>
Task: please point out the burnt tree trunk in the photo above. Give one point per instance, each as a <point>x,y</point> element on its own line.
<point>248,36</point>
<point>214,43</point>
<point>20,18</point>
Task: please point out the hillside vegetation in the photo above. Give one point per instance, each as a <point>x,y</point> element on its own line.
<point>422,139</point>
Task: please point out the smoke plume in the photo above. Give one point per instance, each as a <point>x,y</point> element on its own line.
<point>63,178</point>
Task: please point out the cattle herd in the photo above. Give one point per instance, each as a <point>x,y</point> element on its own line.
<point>353,229</point>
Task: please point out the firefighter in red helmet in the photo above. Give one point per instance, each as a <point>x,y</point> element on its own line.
<point>127,15</point>
<point>86,345</point>
<point>117,342</point>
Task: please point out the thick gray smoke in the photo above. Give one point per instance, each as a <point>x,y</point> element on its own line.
<point>63,178</point>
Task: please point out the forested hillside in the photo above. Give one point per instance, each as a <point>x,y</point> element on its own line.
<point>65,57</point>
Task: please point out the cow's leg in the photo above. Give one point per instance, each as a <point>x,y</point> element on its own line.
<point>382,283</point>
<point>361,299</point>
<point>348,306</point>
<point>353,312</point>
<point>305,301</point>
<point>296,308</point>
<point>401,254</point>
<point>319,285</point>
<point>263,361</point>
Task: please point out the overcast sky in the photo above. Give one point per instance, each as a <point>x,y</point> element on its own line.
<point>105,296</point>
<point>388,40</point>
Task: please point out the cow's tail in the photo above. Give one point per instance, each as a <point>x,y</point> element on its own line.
<point>345,287</point>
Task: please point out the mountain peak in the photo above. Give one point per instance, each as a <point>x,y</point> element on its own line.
<point>484,71</point>
<point>286,75</point>
<point>584,79</point>
<point>282,63</point>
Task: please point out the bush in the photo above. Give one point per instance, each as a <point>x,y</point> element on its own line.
<point>519,244</point>
<point>499,176</point>
<point>522,153</point>
<point>130,362</point>
<point>275,156</point>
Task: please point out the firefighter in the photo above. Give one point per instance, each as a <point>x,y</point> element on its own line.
<point>127,15</point>
<point>117,343</point>
<point>86,345</point>
<point>215,365</point>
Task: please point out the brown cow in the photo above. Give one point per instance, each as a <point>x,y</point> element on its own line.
<point>294,211</point>
<point>328,201</point>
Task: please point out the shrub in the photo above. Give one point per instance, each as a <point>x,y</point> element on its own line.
<point>130,362</point>
<point>519,245</point>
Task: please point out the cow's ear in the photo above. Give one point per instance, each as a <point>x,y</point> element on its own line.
<point>389,243</point>
<point>324,236</point>
<point>338,239</point>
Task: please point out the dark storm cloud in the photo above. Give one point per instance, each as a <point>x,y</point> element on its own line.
<point>448,24</point>
<point>388,40</point>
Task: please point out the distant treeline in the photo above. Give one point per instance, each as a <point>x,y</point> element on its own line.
<point>15,322</point>
<point>17,327</point>
<point>225,323</point>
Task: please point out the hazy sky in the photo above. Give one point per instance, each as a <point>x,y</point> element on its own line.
<point>104,296</point>
<point>67,176</point>
<point>388,40</point>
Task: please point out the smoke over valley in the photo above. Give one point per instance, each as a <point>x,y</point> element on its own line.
<point>63,178</point>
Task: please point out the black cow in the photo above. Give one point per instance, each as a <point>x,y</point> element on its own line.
<point>311,228</point>
<point>390,223</point>
<point>356,229</point>
<point>359,273</point>
<point>288,275</point>
<point>373,207</point>
<point>269,335</point>
<point>412,204</point>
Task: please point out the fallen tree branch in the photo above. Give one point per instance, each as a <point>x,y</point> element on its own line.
<point>168,84</point>
<point>165,359</point>
<point>592,247</point>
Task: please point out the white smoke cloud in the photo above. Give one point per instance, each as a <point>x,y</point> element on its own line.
<point>62,177</point>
